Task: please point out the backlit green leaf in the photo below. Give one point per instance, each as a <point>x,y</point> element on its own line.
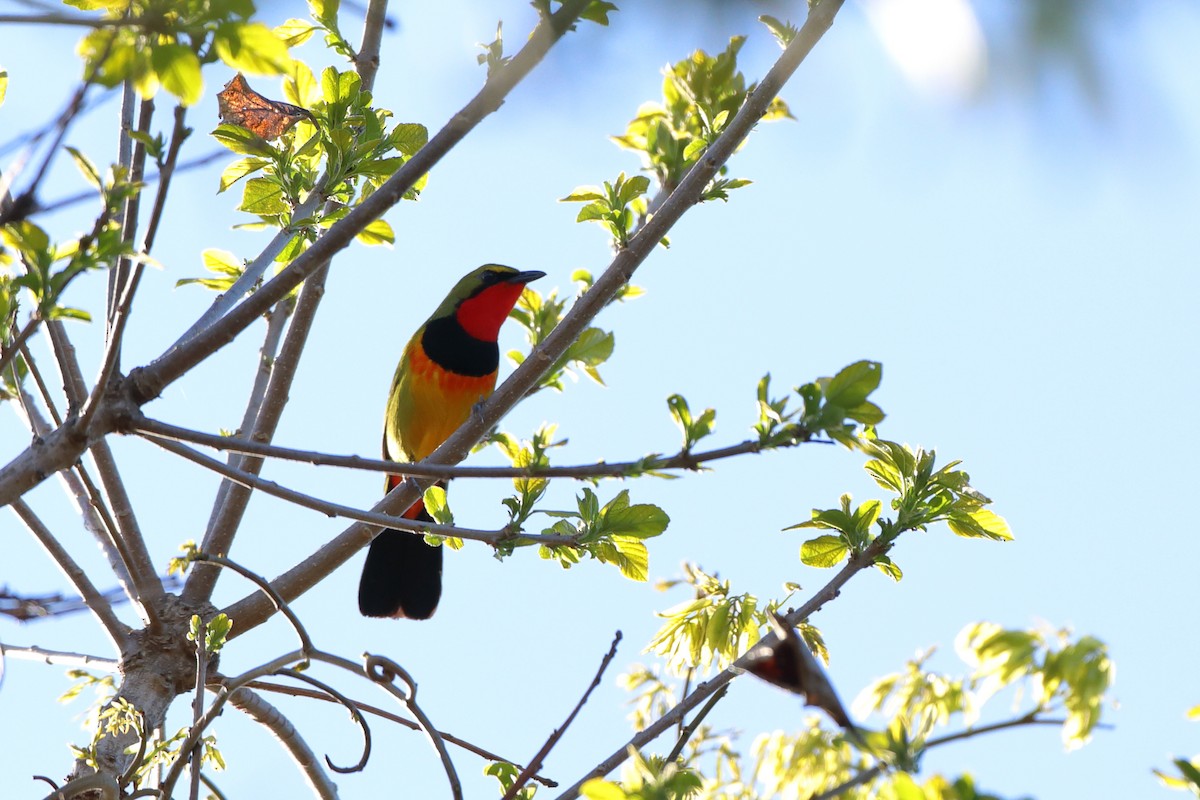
<point>824,551</point>
<point>178,71</point>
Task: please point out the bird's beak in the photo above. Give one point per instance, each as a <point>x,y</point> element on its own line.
<point>525,277</point>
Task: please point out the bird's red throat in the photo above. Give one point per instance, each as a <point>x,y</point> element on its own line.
<point>482,315</point>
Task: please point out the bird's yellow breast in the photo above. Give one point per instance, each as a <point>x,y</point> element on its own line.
<point>428,403</point>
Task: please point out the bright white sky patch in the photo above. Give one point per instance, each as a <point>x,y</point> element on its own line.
<point>937,44</point>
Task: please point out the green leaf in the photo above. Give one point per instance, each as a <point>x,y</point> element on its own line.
<point>641,521</point>
<point>629,554</point>
<point>295,32</point>
<point>251,47</point>
<point>600,789</point>
<point>783,32</point>
<point>86,168</point>
<point>436,505</point>
<point>409,137</point>
<point>824,551</point>
<point>324,10</point>
<point>178,71</point>
<point>889,568</point>
<point>264,197</point>
<point>850,387</point>
<point>240,169</point>
<point>583,194</point>
<point>376,233</point>
<point>979,524</point>
<point>240,140</point>
<point>597,11</point>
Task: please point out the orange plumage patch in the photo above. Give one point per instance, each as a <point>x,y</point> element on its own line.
<point>429,403</point>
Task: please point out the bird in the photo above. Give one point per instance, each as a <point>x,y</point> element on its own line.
<point>447,368</point>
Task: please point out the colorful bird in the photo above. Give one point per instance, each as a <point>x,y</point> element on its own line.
<point>447,368</point>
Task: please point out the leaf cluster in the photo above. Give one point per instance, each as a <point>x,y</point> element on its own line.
<point>538,315</point>
<point>923,496</point>
<point>47,267</point>
<point>701,94</point>
<point>645,778</point>
<point>345,150</point>
<point>1188,779</point>
<point>614,533</point>
<point>710,631</point>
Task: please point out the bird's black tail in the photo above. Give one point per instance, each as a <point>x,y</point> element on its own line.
<point>402,576</point>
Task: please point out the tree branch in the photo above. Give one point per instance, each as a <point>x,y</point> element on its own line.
<point>118,632</point>
<point>146,589</point>
<point>254,706</point>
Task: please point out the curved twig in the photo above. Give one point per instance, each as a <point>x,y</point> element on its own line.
<point>306,645</point>
<point>350,706</point>
<point>384,672</point>
<point>367,708</point>
<point>228,687</point>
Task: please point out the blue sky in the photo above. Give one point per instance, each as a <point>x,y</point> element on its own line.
<point>1023,264</point>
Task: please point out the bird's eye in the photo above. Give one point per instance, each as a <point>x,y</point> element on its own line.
<point>490,277</point>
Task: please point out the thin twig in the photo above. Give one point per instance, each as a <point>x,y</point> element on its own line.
<point>58,657</point>
<point>384,672</point>
<point>683,460</point>
<point>129,533</point>
<point>870,774</point>
<point>44,390</point>
<point>306,645</point>
<point>165,173</point>
<point>146,589</point>
<point>536,762</point>
<point>198,706</point>
<point>124,279</point>
<point>686,733</point>
<point>232,500</point>
<point>117,631</point>
<point>186,166</point>
<point>32,608</point>
<point>228,687</point>
<point>85,498</point>
<point>276,325</point>
<point>375,519</point>
<point>346,703</point>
